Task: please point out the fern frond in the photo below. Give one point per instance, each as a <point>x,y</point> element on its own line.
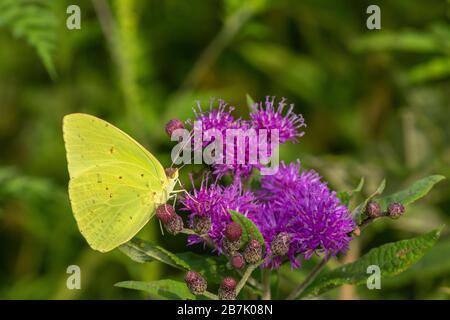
<point>35,22</point>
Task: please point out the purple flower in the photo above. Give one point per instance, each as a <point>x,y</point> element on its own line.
<point>267,116</point>
<point>219,119</point>
<point>214,201</point>
<point>243,153</point>
<point>238,170</point>
<point>240,165</point>
<point>305,208</point>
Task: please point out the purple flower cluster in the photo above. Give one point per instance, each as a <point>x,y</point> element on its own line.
<point>213,201</point>
<point>301,205</point>
<point>265,115</point>
<point>294,210</point>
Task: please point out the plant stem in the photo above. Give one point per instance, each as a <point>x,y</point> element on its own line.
<point>107,25</point>
<point>365,223</point>
<point>311,276</point>
<point>252,281</point>
<point>210,295</point>
<point>188,231</point>
<point>212,52</point>
<point>369,220</point>
<point>209,56</point>
<point>247,274</point>
<point>245,277</point>
<point>266,284</point>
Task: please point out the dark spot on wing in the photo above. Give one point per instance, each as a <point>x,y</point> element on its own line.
<point>120,177</point>
<point>142,175</point>
<point>110,195</point>
<point>106,188</point>
<point>111,150</point>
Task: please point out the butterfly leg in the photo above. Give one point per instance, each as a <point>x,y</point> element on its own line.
<point>174,195</point>
<point>174,199</point>
<point>161,227</point>
<point>185,191</point>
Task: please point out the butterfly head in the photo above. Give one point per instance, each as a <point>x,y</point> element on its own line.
<point>172,176</point>
<point>171,173</point>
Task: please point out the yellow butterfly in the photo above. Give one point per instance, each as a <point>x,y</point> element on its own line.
<point>115,183</point>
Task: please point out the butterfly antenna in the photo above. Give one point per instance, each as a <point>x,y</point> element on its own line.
<point>182,148</point>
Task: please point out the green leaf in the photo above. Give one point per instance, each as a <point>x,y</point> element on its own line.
<point>392,258</point>
<point>407,41</point>
<point>35,22</point>
<point>297,73</point>
<point>249,229</point>
<point>142,251</point>
<point>346,196</point>
<point>435,264</point>
<point>416,191</point>
<point>250,101</point>
<point>211,267</point>
<point>437,68</point>
<point>161,289</point>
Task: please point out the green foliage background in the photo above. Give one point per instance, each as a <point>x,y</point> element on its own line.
<point>376,104</point>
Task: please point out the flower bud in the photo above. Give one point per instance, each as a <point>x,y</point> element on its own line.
<point>174,225</point>
<point>231,247</point>
<point>252,252</point>
<point>233,231</point>
<point>396,210</point>
<point>195,282</point>
<point>373,210</point>
<point>165,213</point>
<point>202,225</point>
<point>280,245</point>
<point>173,125</point>
<point>237,261</point>
<point>227,290</point>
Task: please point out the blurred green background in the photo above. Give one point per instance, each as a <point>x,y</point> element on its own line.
<point>376,103</point>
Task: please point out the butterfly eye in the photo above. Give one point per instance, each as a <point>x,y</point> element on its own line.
<point>170,172</point>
